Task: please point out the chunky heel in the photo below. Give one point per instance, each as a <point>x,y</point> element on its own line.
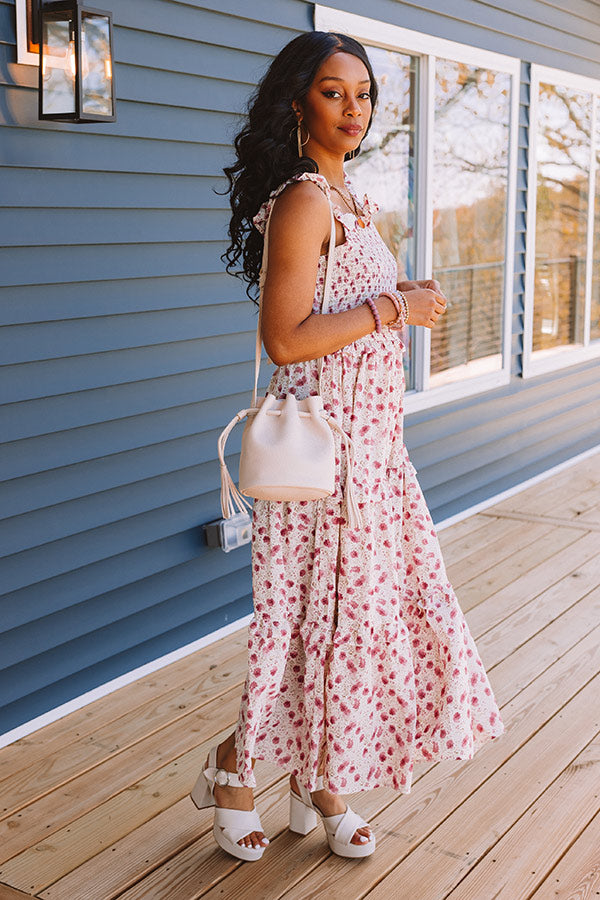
<point>302,819</point>
<point>201,793</point>
<point>229,825</point>
<point>339,829</point>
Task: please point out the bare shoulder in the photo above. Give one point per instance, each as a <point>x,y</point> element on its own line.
<point>302,204</point>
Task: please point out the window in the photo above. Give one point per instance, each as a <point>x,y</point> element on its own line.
<point>440,161</point>
<point>595,304</point>
<point>563,280</point>
<point>28,53</point>
<point>386,167</point>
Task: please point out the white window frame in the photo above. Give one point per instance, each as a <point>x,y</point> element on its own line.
<point>393,37</point>
<point>562,356</point>
<point>24,55</point>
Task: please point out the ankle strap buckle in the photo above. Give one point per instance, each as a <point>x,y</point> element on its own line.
<point>219,778</point>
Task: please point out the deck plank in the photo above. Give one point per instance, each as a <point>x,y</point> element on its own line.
<point>578,872</point>
<point>9,893</point>
<point>492,555</point>
<point>570,803</point>
<point>531,584</point>
<point>521,561</point>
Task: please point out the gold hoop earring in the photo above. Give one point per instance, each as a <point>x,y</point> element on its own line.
<point>299,136</point>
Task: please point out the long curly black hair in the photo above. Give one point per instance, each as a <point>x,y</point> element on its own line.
<point>266,146</point>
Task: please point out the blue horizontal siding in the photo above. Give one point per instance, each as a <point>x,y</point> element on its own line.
<point>48,188</point>
<point>52,377</point>
<point>77,300</point>
<point>127,228</point>
<point>60,264</point>
<point>81,408</point>
<point>116,509</point>
<point>168,566</point>
<point>109,611</point>
<point>105,437</point>
<point>89,151</point>
<point>104,473</point>
<point>126,348</point>
<point>50,341</point>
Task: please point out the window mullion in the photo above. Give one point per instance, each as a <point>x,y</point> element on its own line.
<point>424,262</point>
<point>589,263</point>
<point>530,228</point>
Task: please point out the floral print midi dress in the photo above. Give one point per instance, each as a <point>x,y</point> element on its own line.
<point>358,648</point>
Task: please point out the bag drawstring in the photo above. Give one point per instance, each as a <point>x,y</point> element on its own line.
<point>353,512</point>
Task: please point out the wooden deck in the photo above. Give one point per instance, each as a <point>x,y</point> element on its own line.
<point>95,806</point>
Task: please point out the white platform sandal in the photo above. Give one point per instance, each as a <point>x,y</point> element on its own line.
<point>229,824</point>
<point>339,828</point>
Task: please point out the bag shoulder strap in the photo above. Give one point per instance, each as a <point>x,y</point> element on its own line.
<point>263,273</point>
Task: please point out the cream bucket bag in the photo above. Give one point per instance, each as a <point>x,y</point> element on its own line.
<point>288,449</point>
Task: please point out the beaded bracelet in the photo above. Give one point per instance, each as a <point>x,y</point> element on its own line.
<point>399,314</point>
<point>375,312</point>
<point>404,305</point>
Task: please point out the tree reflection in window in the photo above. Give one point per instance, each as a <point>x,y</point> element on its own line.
<point>563,157</point>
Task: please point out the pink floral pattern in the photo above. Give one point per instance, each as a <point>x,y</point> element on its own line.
<point>358,644</point>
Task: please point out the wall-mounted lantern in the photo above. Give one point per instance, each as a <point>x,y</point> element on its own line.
<point>76,78</point>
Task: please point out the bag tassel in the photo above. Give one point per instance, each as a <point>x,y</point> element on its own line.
<point>230,494</point>
<point>353,512</point>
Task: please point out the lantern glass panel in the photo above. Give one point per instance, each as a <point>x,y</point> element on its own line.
<point>96,71</point>
<point>58,63</point>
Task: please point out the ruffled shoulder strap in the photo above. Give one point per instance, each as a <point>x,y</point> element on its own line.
<point>260,219</point>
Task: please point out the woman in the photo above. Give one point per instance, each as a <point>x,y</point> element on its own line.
<point>359,657</point>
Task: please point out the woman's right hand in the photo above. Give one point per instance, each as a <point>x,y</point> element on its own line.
<point>425,306</point>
